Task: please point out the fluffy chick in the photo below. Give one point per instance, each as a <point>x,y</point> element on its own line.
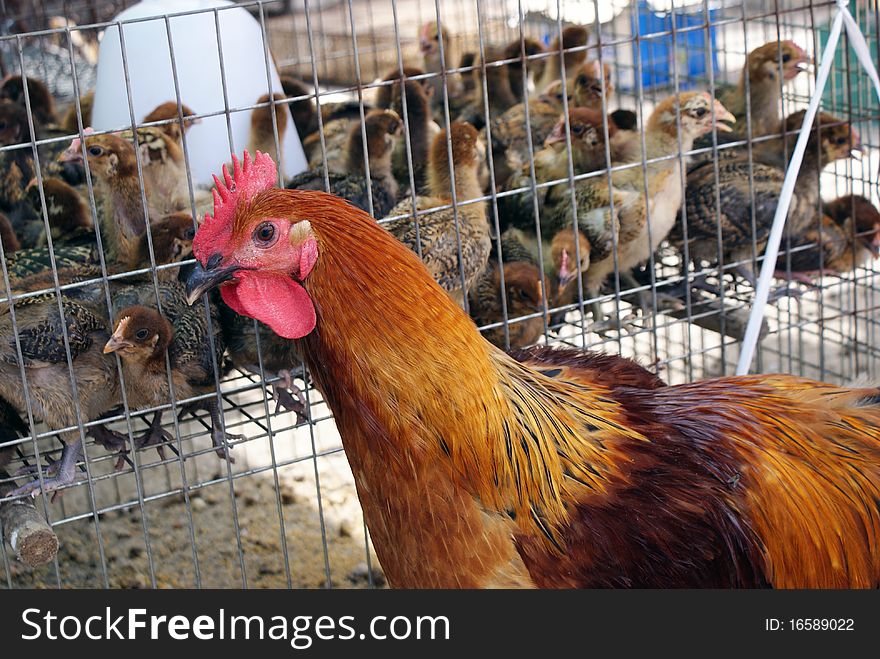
<point>41,100</point>
<point>142,336</point>
<point>383,129</point>
<point>168,111</point>
<point>849,238</point>
<point>262,132</point>
<point>521,51</point>
<point>574,36</point>
<point>523,294</point>
<point>302,108</point>
<point>436,236</point>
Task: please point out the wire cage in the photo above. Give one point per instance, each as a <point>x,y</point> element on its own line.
<point>285,512</point>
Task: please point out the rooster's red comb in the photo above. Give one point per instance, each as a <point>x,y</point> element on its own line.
<point>248,178</point>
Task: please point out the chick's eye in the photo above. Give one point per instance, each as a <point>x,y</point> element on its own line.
<point>578,130</point>
<point>700,112</point>
<point>264,235</point>
<point>142,334</point>
<point>2,125</point>
<point>786,57</point>
<point>95,151</point>
<point>841,140</point>
<point>190,234</point>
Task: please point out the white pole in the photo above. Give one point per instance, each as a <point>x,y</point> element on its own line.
<point>762,292</point>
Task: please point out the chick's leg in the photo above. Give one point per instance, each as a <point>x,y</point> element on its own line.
<point>156,436</point>
<point>219,438</point>
<point>63,472</point>
<point>284,397</point>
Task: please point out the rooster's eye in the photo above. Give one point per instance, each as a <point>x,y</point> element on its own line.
<point>95,151</point>
<point>264,235</point>
<point>142,334</point>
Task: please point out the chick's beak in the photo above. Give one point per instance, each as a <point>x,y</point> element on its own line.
<point>203,278</point>
<point>115,343</point>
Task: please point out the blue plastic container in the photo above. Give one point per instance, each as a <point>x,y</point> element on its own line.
<point>690,49</point>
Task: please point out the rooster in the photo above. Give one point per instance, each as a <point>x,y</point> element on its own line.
<point>545,468</point>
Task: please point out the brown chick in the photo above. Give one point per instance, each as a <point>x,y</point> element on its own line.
<point>764,66</point>
<point>436,236</point>
<point>523,294</point>
<point>70,219</point>
<point>113,166</point>
<point>745,189</point>
<point>16,165</point>
<point>587,135</point>
<point>421,127</point>
<point>141,337</point>
<point>574,36</point>
<point>383,130</point>
<point>7,236</point>
<point>497,89</point>
<point>168,111</point>
<point>510,141</point>
<point>534,67</point>
<point>303,110</point>
<point>644,208</point>
<point>172,238</point>
<point>429,45</point>
<point>69,123</point>
<point>41,101</point>
<point>386,93</point>
<point>849,238</point>
<point>592,81</point>
<point>262,133</point>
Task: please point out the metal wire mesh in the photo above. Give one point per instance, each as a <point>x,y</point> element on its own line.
<point>285,513</point>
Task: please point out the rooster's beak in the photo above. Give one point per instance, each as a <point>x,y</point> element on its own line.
<point>203,278</point>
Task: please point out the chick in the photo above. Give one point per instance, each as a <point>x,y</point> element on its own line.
<point>69,217</point>
<point>142,336</point>
<point>69,123</point>
<point>42,103</point>
<point>262,132</point>
<point>534,67</point>
<point>510,131</point>
<point>586,132</point>
<point>16,165</point>
<point>7,236</point>
<point>113,166</point>
<point>573,37</point>
<point>303,111</point>
<point>496,89</point>
<point>169,111</point>
<point>437,236</point>
<point>742,197</point>
<point>593,82</point>
<point>385,93</point>
<point>523,293</point>
<point>849,238</point>
<point>422,131</point>
<point>49,395</point>
<point>383,129</point>
<point>432,62</point>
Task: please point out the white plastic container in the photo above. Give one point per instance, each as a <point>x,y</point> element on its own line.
<point>197,62</point>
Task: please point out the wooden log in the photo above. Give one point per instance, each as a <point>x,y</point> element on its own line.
<point>32,539</point>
